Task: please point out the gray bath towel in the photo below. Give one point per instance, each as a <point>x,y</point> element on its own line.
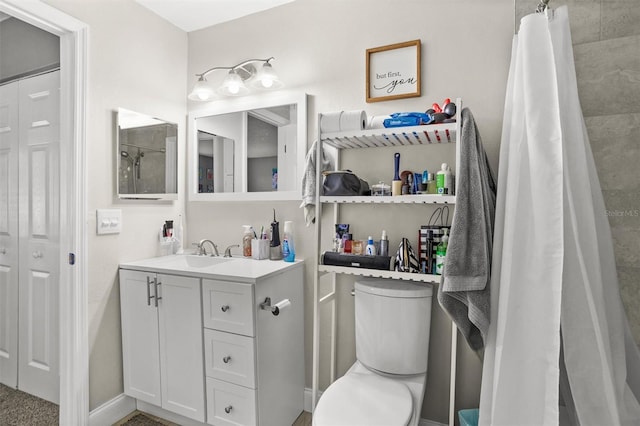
<point>309,182</point>
<point>464,291</point>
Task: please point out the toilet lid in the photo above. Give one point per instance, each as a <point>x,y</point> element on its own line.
<point>358,399</point>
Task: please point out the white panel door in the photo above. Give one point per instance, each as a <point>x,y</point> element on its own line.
<point>9,137</point>
<point>39,117</point>
<point>140,344</point>
<point>181,351</point>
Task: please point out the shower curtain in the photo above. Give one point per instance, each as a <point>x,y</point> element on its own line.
<point>558,334</point>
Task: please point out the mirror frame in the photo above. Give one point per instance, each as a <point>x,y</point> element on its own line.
<point>167,196</point>
<point>234,105</point>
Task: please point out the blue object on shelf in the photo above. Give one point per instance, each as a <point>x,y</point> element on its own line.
<point>400,119</point>
<point>468,417</point>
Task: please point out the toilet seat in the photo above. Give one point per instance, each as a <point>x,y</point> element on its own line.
<point>358,399</point>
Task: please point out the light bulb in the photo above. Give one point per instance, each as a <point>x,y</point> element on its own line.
<point>267,82</point>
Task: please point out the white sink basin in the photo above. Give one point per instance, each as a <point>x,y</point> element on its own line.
<point>193,261</point>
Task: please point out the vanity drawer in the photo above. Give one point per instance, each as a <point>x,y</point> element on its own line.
<point>228,306</point>
<point>229,404</point>
<point>230,357</point>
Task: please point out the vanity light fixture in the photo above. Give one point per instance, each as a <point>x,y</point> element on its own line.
<point>259,77</point>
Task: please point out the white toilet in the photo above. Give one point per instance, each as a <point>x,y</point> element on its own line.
<point>385,386</point>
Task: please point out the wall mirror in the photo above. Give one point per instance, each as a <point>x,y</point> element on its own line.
<point>146,157</point>
<point>248,148</point>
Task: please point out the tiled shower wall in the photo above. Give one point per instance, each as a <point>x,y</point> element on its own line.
<point>606,42</point>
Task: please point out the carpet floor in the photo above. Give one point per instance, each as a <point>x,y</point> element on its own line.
<point>21,409</point>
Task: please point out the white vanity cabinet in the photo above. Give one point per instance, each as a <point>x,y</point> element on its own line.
<point>213,350</point>
<point>254,360</point>
<point>162,341</point>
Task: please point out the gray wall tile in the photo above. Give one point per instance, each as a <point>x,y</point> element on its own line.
<point>620,18</point>
<point>630,294</point>
<point>584,17</point>
<point>615,142</point>
<point>608,75</point>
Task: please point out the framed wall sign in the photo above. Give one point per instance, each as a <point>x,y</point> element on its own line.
<point>393,71</point>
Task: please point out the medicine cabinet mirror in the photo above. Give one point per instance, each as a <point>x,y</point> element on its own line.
<point>248,148</point>
<point>146,157</point>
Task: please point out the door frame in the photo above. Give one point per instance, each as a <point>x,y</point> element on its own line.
<point>74,342</point>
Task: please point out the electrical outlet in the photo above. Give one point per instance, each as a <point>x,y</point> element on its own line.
<point>108,221</point>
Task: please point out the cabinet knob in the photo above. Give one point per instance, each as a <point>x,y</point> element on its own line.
<point>3,250</point>
<point>37,254</point>
<point>226,359</point>
<point>225,308</point>
<point>228,409</point>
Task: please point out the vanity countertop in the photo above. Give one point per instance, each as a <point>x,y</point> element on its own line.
<point>235,268</point>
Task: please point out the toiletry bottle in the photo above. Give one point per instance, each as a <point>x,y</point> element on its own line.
<point>247,236</point>
<point>288,249</point>
<point>431,185</point>
<point>441,179</point>
<point>371,248</point>
<point>441,252</point>
<point>384,244</point>
<point>444,181</point>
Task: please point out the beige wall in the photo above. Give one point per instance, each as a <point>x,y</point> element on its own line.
<point>319,48</point>
<point>606,41</point>
<point>136,61</point>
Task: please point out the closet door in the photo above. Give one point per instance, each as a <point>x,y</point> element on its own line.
<point>39,116</point>
<point>9,234</point>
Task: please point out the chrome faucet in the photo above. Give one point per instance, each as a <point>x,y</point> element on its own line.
<point>203,251</point>
<point>227,252</point>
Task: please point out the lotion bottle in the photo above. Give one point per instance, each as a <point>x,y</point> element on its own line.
<point>443,180</point>
<point>371,248</point>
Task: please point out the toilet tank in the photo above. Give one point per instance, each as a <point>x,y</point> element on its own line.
<point>393,319</point>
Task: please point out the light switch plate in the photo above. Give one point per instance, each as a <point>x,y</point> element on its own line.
<point>108,221</point>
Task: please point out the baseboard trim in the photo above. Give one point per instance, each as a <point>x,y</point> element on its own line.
<point>112,411</point>
<point>425,422</point>
<point>308,399</point>
<point>167,415</point>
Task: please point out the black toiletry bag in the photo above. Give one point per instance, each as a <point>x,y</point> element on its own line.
<point>340,183</point>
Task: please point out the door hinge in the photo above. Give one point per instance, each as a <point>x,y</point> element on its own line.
<point>72,258</point>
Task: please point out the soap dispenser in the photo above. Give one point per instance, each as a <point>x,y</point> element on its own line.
<point>247,236</point>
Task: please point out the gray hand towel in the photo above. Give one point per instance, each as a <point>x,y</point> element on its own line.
<point>464,291</point>
<point>309,182</point>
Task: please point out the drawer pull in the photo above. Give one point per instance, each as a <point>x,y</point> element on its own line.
<point>225,308</point>
<point>226,359</point>
<point>228,409</point>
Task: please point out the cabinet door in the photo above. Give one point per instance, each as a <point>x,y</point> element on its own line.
<point>140,345</point>
<point>181,351</point>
